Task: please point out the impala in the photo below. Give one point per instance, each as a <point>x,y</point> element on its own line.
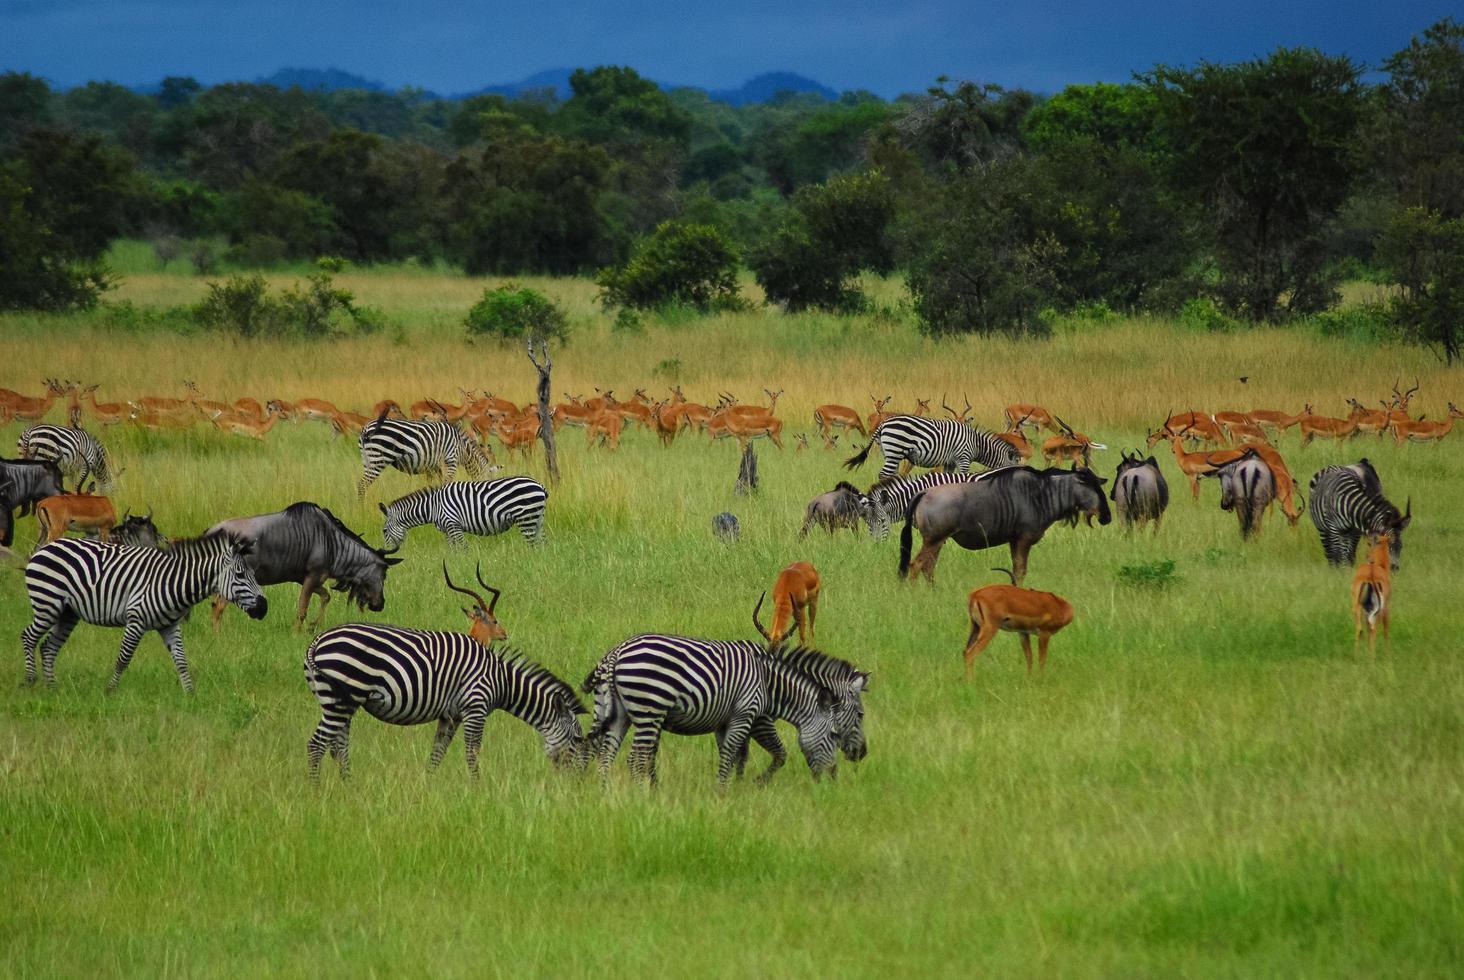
<point>1314,426</point>
<point>1372,595</point>
<point>1196,464</point>
<point>606,425</point>
<point>19,406</point>
<point>744,430</point>
<point>831,416</point>
<point>1423,431</point>
<point>1370,421</point>
<point>1019,415</point>
<point>203,406</point>
<point>1278,421</point>
<point>795,602</point>
<point>879,414</point>
<point>1025,612</point>
<point>106,413</point>
<point>1073,446</point>
<point>80,511</point>
<point>1285,485</point>
<point>1198,426</point>
<point>249,426</point>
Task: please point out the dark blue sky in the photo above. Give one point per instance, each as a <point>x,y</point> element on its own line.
<point>888,47</point>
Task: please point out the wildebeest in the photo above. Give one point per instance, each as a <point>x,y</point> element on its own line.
<point>23,482</point>
<point>1014,507</point>
<point>306,543</point>
<point>842,506</point>
<point>1246,487</point>
<point>138,531</point>
<point>725,526</point>
<point>1139,492</point>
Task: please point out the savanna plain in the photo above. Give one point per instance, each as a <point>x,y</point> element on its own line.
<point>1208,780</point>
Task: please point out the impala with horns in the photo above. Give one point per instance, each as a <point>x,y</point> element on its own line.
<point>746,428</point>
<point>1197,464</point>
<point>1013,506</point>
<point>1026,612</point>
<point>1074,447</point>
<point>307,544</point>
<point>1019,415</point>
<point>1398,407</point>
<point>1421,430</point>
<point>1197,427</point>
<point>795,604</point>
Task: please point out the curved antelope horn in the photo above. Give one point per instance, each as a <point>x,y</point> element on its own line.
<point>758,622</point>
<point>1008,573</point>
<point>1066,429</point>
<point>478,571</point>
<point>467,592</point>
<point>126,514</point>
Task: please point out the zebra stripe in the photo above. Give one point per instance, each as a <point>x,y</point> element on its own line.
<point>416,446</point>
<point>1347,502</point>
<point>138,589</point>
<point>947,443</point>
<point>892,498</point>
<point>72,449</point>
<point>735,689</point>
<point>411,677</point>
<point>487,507</point>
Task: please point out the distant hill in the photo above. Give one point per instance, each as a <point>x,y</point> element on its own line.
<point>763,88</point>
<point>320,79</point>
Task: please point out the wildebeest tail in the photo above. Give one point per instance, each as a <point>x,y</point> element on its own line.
<point>907,535</point>
<point>857,460</point>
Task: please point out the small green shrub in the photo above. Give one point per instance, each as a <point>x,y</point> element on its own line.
<point>511,312</point>
<point>1158,574</point>
<point>241,304</point>
<point>683,263</point>
<point>670,369</point>
<point>1202,313</point>
<point>1366,322</point>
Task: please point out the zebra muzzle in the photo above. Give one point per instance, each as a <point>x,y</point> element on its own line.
<point>259,609</point>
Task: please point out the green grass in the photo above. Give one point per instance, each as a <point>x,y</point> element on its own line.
<point>1207,781</point>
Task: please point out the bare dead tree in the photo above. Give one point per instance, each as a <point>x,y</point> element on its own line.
<point>747,472</point>
<point>546,419</point>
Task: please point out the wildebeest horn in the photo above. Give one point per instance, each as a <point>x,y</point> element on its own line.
<point>478,571</point>
<point>1008,573</point>
<point>126,514</point>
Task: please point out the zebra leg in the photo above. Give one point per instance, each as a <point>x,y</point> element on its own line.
<point>731,746</point>
<point>341,748</point>
<point>41,622</point>
<point>765,733</point>
<point>446,729</point>
<point>335,716</point>
<point>172,635</point>
<point>643,747</point>
<point>533,528</point>
<point>131,636</point>
<point>369,473</point>
<point>453,530</point>
<point>64,625</point>
<point>610,738</point>
<point>473,720</point>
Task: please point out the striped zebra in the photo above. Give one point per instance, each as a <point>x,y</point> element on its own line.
<point>411,677</point>
<point>735,689</point>
<point>891,498</point>
<point>951,444</point>
<point>416,446</point>
<point>73,450</point>
<point>1347,502</point>
<point>487,507</point>
<point>138,589</point>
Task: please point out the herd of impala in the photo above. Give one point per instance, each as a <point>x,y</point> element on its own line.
<point>1221,438</point>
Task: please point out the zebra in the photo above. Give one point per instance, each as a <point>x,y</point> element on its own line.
<point>72,449</point>
<point>952,444</point>
<point>411,677</point>
<point>139,589</point>
<point>1348,501</point>
<point>892,497</point>
<point>416,446</point>
<point>486,507</point>
<point>735,689</point>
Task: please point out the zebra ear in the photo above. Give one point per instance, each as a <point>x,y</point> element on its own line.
<point>383,507</point>
<point>861,683</point>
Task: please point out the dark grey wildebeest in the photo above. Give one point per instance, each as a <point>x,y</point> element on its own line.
<point>306,543</point>
<point>725,526</point>
<point>1014,507</point>
<point>842,506</point>
<point>23,482</point>
<point>1139,492</point>
<point>1247,487</point>
<point>139,531</point>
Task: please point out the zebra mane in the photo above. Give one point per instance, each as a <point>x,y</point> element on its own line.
<point>204,543</point>
<point>818,666</point>
<point>541,677</point>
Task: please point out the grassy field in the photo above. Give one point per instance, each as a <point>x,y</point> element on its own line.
<point>1207,781</point>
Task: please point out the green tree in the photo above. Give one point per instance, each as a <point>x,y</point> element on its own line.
<point>341,172</point>
<point>1425,253</point>
<point>1113,116</point>
<point>613,105</point>
<point>1268,148</point>
<point>1417,134</point>
<point>79,188</point>
<point>963,128</point>
<point>38,268</point>
<point>512,312</point>
<point>678,263</point>
<point>25,103</point>
<point>177,90</point>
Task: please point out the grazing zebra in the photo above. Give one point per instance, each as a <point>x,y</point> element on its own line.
<point>414,446</point>
<point>891,498</point>
<point>411,677</point>
<point>138,589</point>
<point>487,507</point>
<point>735,689</point>
<point>952,444</point>
<point>1348,501</point>
<point>73,450</point>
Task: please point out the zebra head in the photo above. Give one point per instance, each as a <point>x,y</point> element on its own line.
<point>818,737</point>
<point>236,581</point>
<point>1395,532</point>
<point>874,507</point>
<point>394,529</point>
<point>849,717</point>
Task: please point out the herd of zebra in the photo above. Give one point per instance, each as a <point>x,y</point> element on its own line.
<point>651,683</point>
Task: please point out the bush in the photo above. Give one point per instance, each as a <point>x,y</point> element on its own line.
<point>511,312</point>
<point>1149,574</point>
<point>678,263</point>
<point>241,305</point>
<point>312,309</point>
<point>1201,313</point>
<point>1366,322</point>
<point>1424,252</point>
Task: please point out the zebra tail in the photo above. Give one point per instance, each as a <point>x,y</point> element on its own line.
<point>857,460</point>
<point>907,535</point>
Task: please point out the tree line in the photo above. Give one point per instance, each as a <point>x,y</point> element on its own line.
<point>1253,187</point>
